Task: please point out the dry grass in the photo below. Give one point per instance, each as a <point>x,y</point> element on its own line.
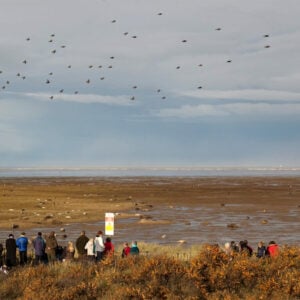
<point>209,274</point>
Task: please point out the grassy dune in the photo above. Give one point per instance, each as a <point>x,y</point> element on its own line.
<point>207,274</point>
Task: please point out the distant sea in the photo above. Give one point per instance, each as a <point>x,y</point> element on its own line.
<point>149,171</point>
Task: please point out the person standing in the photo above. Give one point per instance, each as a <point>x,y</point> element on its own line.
<point>261,250</point>
<point>39,246</point>
<point>11,249</point>
<point>99,246</point>
<point>109,247</point>
<point>80,245</point>
<point>90,248</point>
<point>272,250</point>
<point>51,246</point>
<point>134,250</point>
<point>1,256</point>
<point>126,250</point>
<point>22,243</point>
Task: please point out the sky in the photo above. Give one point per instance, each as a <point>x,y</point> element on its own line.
<point>149,83</point>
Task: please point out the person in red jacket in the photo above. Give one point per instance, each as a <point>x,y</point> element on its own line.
<point>272,250</point>
<point>126,250</point>
<point>109,247</point>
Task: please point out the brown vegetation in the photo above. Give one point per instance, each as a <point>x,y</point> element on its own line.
<point>210,274</point>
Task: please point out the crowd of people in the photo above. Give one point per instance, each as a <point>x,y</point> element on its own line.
<point>47,250</point>
<point>272,250</point>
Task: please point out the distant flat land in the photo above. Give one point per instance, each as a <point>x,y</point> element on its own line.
<point>212,203</point>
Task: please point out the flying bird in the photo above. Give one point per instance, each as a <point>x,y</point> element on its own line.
<point>200,65</point>
<point>134,36</point>
<point>63,46</point>
<point>28,39</point>
<point>229,61</point>
<point>23,77</point>
<point>50,41</point>
<point>159,90</point>
<point>110,66</point>
<point>266,35</point>
<point>53,51</point>
<point>47,81</point>
<point>159,14</point>
<point>53,35</point>
<point>125,33</point>
<point>267,46</point>
<point>114,21</point>
<point>102,78</point>
<point>61,91</point>
<point>24,61</point>
<point>178,67</point>
<point>69,66</point>
<point>132,98</point>
<point>88,81</point>
<point>218,28</point>
<point>163,97</point>
<point>50,73</point>
<point>199,87</point>
<point>76,92</point>
<point>51,97</point>
<point>18,74</point>
<point>100,67</point>
<point>90,66</point>
<point>7,82</point>
<point>134,87</point>
<point>184,41</point>
<point>112,57</point>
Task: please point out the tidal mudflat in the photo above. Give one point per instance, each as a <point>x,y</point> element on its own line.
<point>155,209</point>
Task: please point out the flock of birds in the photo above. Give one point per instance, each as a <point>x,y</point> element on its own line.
<point>6,83</point>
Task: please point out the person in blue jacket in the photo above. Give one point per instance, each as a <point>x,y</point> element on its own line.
<point>22,243</point>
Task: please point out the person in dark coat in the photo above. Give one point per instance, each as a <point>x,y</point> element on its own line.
<point>80,245</point>
<point>11,249</point>
<point>261,250</point>
<point>51,247</point>
<point>1,255</point>
<point>39,246</point>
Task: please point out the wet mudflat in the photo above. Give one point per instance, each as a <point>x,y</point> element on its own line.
<point>155,209</point>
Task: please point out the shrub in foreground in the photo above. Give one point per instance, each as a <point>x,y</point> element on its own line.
<point>211,274</point>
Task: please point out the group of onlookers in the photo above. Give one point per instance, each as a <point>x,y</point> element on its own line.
<point>47,250</point>
<point>272,250</point>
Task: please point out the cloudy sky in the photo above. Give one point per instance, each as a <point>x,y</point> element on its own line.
<point>149,83</point>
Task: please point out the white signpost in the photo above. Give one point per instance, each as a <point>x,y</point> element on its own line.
<point>109,223</point>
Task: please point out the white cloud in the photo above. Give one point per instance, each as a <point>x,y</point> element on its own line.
<point>83,98</point>
<point>239,109</point>
<point>244,94</point>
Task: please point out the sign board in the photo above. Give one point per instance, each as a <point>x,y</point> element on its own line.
<point>109,223</point>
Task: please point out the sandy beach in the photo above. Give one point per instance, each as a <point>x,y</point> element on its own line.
<point>155,209</point>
